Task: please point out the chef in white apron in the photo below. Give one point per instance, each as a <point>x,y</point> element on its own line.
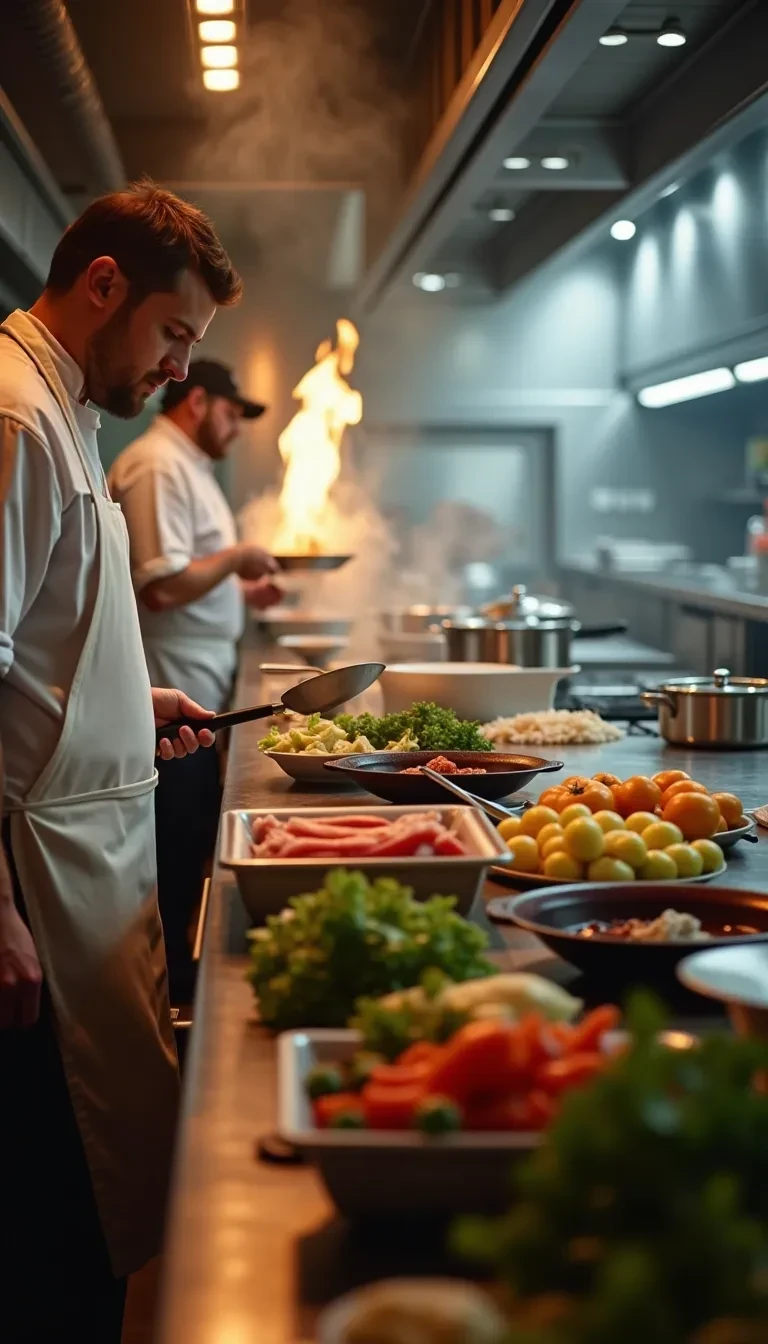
<point>88,1074</point>
<point>192,579</point>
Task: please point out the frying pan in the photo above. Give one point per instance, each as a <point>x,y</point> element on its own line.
<point>292,563</point>
<point>315,696</point>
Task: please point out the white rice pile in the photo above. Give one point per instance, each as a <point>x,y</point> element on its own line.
<point>553,728</point>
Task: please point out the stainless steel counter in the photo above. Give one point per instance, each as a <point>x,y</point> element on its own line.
<point>729,601</point>
<point>254,1250</point>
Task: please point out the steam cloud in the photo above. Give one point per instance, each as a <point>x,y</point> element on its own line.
<point>319,103</point>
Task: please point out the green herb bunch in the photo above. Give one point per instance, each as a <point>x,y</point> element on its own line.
<point>355,939</point>
<point>643,1218</point>
<point>434,728</point>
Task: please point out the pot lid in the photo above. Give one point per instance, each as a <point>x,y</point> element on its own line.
<point>522,603</point>
<point>720,683</point>
<point>521,623</point>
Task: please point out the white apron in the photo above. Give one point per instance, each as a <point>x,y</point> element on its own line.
<point>84,846</point>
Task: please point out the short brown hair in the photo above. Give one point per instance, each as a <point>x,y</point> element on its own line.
<point>153,236</point>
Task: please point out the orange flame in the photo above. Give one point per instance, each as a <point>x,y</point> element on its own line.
<point>310,445</point>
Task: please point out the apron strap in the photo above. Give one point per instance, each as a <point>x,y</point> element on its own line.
<point>97,795</point>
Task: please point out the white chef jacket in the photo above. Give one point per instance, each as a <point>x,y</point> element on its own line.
<point>176,512</point>
<point>48,543</point>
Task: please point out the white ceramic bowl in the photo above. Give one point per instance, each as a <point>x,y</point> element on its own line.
<point>481,691</point>
<point>736,975</point>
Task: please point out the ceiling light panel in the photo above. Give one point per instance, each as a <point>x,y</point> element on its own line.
<point>686,389</point>
<point>217,30</point>
<point>221,81</point>
<point>218,58</point>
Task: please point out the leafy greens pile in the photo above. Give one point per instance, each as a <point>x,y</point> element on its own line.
<point>355,939</point>
<point>434,729</point>
<point>644,1216</point>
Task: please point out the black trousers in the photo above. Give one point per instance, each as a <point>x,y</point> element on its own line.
<point>187,804</point>
<point>56,1281</point>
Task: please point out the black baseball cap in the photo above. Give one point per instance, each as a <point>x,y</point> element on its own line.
<point>215,379</point>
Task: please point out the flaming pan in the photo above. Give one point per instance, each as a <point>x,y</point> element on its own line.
<point>307,562</point>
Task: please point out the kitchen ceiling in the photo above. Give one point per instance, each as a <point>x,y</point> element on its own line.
<point>589,120</point>
<point>317,117</point>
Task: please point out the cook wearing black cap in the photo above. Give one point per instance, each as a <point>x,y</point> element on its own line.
<point>192,578</point>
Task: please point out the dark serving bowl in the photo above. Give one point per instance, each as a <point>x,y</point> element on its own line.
<point>554,914</point>
<point>380,773</point>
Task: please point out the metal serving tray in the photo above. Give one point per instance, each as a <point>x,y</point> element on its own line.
<point>266,885</point>
<point>382,1173</point>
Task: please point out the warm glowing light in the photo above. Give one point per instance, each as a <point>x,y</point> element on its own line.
<point>555,162</point>
<point>686,389</point>
<point>516,163</point>
<point>623,230</point>
<point>218,58</point>
<point>217,30</point>
<point>221,81</point>
<point>214,6</point>
<point>672,34</point>
<point>310,445</point>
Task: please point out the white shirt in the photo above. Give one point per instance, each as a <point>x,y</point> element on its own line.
<point>48,543</point>
<point>176,512</point>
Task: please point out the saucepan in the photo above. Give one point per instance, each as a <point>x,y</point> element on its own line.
<point>716,711</point>
<point>526,641</point>
<point>316,695</point>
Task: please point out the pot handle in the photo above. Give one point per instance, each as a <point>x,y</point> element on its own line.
<point>659,698</point>
<point>599,631</point>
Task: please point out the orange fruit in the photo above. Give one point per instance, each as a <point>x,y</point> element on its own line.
<point>609,780</point>
<point>731,808</point>
<point>666,778</point>
<point>722,825</point>
<point>638,794</point>
<point>696,814</point>
<point>595,796</point>
<point>682,786</point>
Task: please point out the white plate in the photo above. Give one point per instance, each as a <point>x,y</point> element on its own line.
<point>474,691</point>
<point>309,767</point>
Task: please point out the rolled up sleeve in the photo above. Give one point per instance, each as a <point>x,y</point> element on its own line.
<point>158,515</point>
<point>30,526</point>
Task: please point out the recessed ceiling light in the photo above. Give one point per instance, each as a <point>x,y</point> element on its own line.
<point>671,34</point>
<point>221,81</point>
<point>615,37</point>
<point>217,30</point>
<point>669,191</point>
<point>218,58</point>
<point>429,281</point>
<point>214,6</point>
<point>501,214</point>
<point>623,230</point>
<point>555,162</point>
<point>516,162</point>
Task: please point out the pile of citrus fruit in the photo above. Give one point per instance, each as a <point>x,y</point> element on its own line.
<point>609,830</point>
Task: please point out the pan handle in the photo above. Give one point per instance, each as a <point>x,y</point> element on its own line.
<point>218,722</point>
<point>656,698</point>
<point>601,631</point>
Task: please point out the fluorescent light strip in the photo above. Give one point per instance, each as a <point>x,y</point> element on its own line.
<point>217,30</point>
<point>219,58</point>
<point>752,370</point>
<point>214,6</point>
<point>221,81</point>
<point>686,389</point>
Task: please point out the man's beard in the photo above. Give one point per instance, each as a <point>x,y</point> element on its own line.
<point>119,395</point>
<point>210,443</point>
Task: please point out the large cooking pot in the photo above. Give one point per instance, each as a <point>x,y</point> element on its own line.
<point>716,711</point>
<point>522,603</point>
<point>527,642</point>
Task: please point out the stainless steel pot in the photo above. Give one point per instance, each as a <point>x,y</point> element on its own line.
<point>520,603</point>
<point>528,642</point>
<point>716,711</point>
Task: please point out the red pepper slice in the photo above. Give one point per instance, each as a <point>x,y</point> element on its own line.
<point>560,1075</point>
<point>325,1109</point>
<point>588,1033</point>
<point>391,1107</point>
